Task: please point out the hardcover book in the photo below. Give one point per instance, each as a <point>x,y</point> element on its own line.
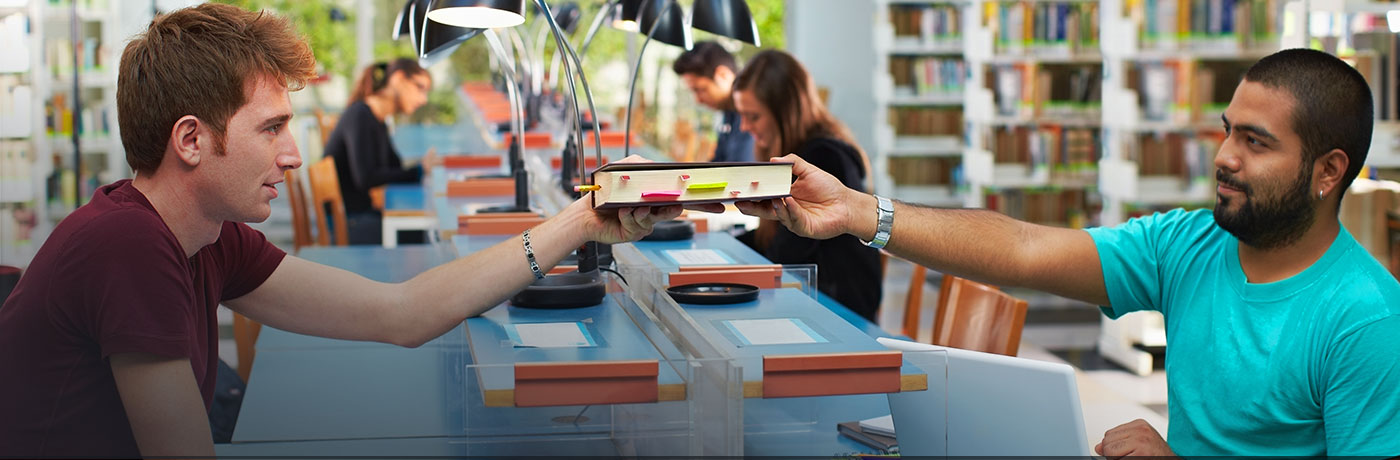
<point>661,184</point>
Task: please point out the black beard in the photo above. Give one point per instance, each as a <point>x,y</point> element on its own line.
<point>1269,224</point>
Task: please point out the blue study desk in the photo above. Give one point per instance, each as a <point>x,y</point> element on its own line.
<point>342,398</point>
<point>742,254</point>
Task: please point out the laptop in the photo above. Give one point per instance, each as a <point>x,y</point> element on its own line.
<point>994,405</point>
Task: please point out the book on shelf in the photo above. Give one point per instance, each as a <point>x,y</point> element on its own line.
<point>928,24</point>
<point>1046,206</point>
<point>1046,146</point>
<point>660,184</point>
<point>923,170</point>
<point>1375,59</point>
<point>1184,91</point>
<point>1187,155</point>
<point>927,75</point>
<point>1177,24</point>
<point>882,443</point>
<point>1044,26</point>
<point>926,121</point>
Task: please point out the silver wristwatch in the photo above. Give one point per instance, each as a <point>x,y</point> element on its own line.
<point>885,214</point>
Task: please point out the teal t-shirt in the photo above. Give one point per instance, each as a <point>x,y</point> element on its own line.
<point>1300,367</point>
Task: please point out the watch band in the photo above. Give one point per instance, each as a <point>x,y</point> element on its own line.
<point>884,222</point>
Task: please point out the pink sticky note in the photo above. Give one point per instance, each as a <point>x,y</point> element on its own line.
<point>661,195</point>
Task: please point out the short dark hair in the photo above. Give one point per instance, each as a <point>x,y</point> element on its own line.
<point>1333,107</point>
<point>702,59</point>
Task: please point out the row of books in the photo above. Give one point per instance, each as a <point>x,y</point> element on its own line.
<point>1185,90</point>
<point>923,170</point>
<point>1036,26</point>
<point>1048,206</point>
<point>928,75</point>
<point>93,55</point>
<point>926,121</point>
<point>1176,24</point>
<point>929,24</point>
<point>1375,59</point>
<point>60,120</point>
<point>1025,89</point>
<point>1185,155</point>
<point>1053,147</point>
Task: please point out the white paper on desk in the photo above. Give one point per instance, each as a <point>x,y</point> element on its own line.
<point>698,257</point>
<point>550,335</point>
<point>777,331</point>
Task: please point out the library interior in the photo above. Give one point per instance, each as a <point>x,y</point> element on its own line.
<point>687,228</point>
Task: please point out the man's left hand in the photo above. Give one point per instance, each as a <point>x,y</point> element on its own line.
<point>1135,438</point>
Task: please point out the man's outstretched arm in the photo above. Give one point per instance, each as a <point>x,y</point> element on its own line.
<point>309,298</point>
<point>972,243</point>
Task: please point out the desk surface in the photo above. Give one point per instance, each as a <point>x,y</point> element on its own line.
<point>313,389</point>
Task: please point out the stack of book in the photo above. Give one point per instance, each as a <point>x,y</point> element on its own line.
<point>878,433</point>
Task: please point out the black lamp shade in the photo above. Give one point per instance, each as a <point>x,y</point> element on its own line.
<point>440,40</point>
<point>478,14</point>
<point>729,18</point>
<point>673,28</point>
<point>567,16</point>
<point>410,20</point>
<point>624,15</point>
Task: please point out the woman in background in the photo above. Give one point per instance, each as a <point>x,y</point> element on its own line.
<point>779,106</point>
<point>364,156</point>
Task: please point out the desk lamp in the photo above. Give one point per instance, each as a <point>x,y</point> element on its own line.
<point>663,21</point>
<point>727,18</point>
<point>431,41</point>
<point>570,290</point>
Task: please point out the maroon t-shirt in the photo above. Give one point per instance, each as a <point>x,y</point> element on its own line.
<point>112,278</point>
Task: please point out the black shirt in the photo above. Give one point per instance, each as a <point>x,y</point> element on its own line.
<point>732,143</point>
<point>847,270</point>
<point>364,157</point>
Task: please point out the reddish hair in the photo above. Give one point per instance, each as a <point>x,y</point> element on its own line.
<point>200,61</point>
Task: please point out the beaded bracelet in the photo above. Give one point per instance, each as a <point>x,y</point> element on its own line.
<point>530,255</point>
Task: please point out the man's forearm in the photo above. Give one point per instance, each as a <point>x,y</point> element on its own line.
<point>987,246</point>
<point>439,299</point>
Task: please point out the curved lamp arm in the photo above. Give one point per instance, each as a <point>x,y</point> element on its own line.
<point>565,47</point>
<point>637,71</point>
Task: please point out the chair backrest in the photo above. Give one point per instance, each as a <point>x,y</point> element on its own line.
<point>970,315</point>
<point>325,193</point>
<point>914,301</point>
<point>301,219</point>
<point>978,317</point>
<point>245,336</point>
<point>326,122</point>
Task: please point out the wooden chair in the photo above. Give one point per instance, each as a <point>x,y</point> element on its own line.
<point>325,193</point>
<point>301,219</point>
<point>245,336</point>
<point>326,122</point>
<point>971,315</point>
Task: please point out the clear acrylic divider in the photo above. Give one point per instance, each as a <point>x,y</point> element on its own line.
<point>805,425</point>
<point>694,410</point>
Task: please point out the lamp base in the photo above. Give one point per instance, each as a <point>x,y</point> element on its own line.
<point>562,291</point>
<point>604,256</point>
<point>671,230</point>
